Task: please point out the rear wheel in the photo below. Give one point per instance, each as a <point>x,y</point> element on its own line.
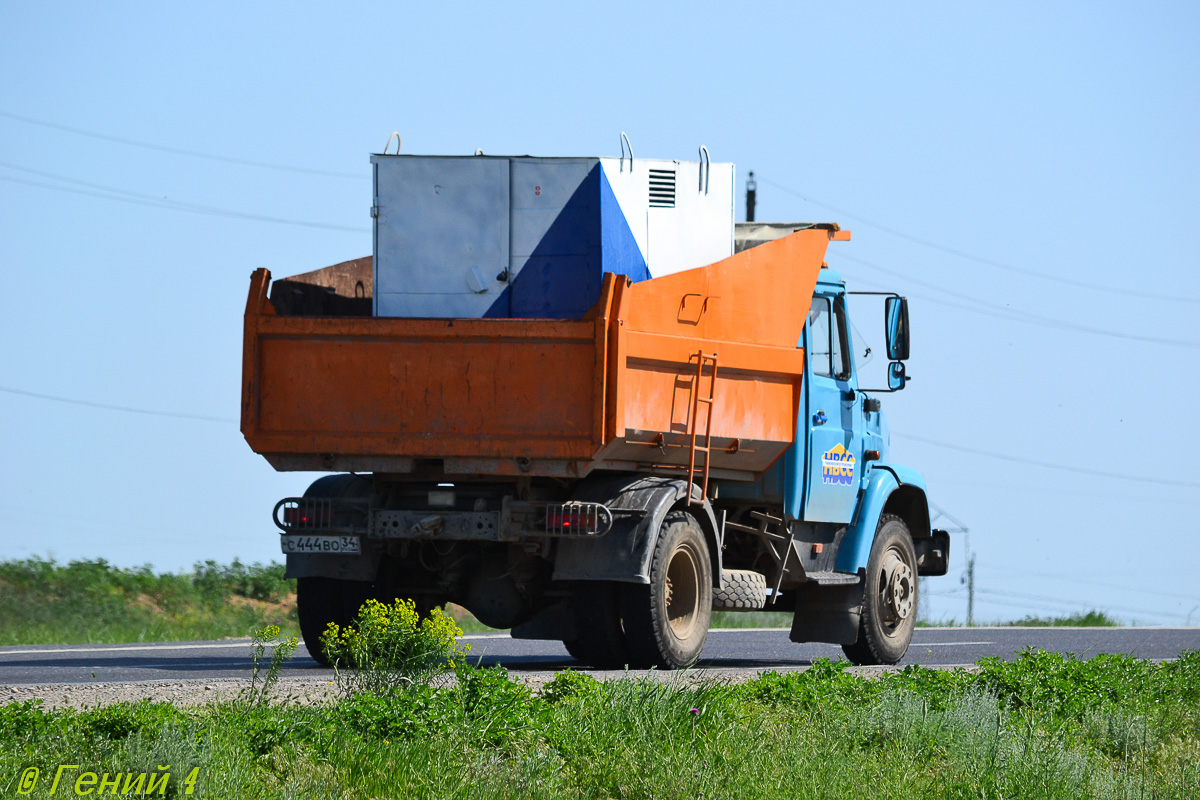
<point>889,611</point>
<point>666,622</point>
<point>599,639</point>
<point>320,601</point>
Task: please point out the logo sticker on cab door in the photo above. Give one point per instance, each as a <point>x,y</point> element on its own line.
<point>839,466</point>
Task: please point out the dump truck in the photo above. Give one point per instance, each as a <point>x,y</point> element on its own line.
<point>576,398</point>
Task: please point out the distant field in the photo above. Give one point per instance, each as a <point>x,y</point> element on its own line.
<point>43,602</point>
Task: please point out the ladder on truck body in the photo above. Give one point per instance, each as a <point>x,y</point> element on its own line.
<point>697,399</point>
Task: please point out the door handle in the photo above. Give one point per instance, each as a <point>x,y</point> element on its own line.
<point>819,418</point>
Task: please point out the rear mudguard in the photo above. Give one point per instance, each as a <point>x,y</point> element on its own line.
<point>891,489</point>
<point>624,553</point>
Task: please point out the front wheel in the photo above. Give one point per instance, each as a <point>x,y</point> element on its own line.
<point>666,622</point>
<point>889,611</point>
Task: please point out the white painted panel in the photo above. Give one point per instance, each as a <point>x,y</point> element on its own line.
<point>696,232</point>
<point>699,230</point>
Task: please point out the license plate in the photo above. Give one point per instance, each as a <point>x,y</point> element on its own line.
<point>344,545</point>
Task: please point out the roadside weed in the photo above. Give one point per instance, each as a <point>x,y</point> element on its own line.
<point>390,647</point>
<point>281,651</point>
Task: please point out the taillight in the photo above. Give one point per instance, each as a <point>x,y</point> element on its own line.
<point>314,515</point>
<point>577,519</point>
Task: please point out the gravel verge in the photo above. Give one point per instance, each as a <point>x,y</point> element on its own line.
<point>310,691</point>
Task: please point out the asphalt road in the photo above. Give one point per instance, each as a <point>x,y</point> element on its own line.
<point>727,651</point>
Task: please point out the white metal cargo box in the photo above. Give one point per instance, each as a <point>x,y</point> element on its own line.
<point>525,237</point>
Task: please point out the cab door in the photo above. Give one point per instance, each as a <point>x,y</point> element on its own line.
<point>833,421</point>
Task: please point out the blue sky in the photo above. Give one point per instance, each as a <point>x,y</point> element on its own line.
<point>1027,174</point>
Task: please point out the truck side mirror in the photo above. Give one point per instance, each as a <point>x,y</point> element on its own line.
<point>895,312</point>
<point>896,375</point>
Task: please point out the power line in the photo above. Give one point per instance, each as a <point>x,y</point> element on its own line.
<point>136,198</point>
<point>1018,315</point>
<point>109,407</point>
<point>180,151</point>
<point>991,486</point>
<point>1124,292</point>
<point>1047,464</point>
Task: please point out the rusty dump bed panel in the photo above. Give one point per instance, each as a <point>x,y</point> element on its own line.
<point>614,390</point>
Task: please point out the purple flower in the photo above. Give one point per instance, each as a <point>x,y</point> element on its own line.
<point>696,711</point>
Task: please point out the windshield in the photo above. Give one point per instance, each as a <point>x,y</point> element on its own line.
<point>863,352</point>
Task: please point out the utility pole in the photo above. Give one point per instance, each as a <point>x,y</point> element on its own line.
<point>970,579</point>
<point>969,575</point>
<point>751,191</point>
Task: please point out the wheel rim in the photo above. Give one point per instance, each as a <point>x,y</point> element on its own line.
<point>682,593</point>
<point>897,589</point>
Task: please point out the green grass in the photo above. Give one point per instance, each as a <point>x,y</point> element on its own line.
<point>1043,726</point>
<point>752,619</point>
<point>1080,619</point>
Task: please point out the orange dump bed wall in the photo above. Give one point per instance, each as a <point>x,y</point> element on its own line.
<point>550,397</point>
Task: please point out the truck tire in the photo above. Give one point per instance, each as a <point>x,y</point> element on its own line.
<point>889,611</point>
<point>600,639</point>
<point>666,622</point>
<point>320,601</point>
<point>744,590</point>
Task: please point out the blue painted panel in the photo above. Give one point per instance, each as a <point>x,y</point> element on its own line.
<point>906,475</point>
<point>566,231</point>
<point>588,236</point>
<point>560,279</point>
<point>555,287</point>
<point>833,422</point>
<point>793,466</point>
<point>856,546</point>
<point>620,250</point>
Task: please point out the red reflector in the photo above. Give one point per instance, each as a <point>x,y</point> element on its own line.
<point>312,517</point>
<point>572,516</point>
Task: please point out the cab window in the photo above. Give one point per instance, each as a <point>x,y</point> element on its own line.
<point>820,351</point>
<point>827,341</point>
<point>840,350</point>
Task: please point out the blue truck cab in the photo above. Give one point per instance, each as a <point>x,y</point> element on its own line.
<point>851,529</point>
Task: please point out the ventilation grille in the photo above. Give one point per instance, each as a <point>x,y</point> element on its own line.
<point>662,188</point>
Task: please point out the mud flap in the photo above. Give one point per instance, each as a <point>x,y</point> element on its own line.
<point>639,506</point>
<point>827,613</point>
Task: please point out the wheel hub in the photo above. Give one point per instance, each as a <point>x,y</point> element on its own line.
<point>898,588</point>
<point>681,592</point>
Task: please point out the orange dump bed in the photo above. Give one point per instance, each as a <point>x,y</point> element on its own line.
<point>623,388</point>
